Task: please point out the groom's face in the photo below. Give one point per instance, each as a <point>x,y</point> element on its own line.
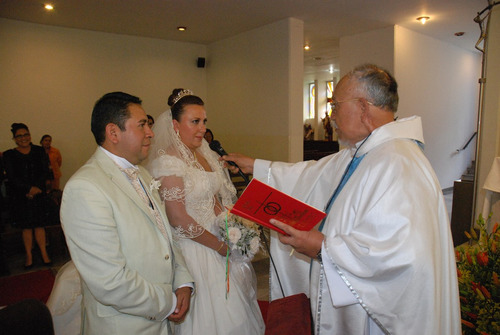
<point>135,140</point>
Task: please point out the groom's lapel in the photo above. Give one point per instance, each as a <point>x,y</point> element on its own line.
<point>154,195</point>
<point>121,181</point>
<point>152,192</point>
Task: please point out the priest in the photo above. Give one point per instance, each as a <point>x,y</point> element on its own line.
<point>382,261</point>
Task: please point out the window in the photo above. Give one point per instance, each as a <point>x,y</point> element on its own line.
<point>329,96</point>
<point>312,100</point>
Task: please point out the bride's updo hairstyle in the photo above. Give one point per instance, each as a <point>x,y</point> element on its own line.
<point>180,98</point>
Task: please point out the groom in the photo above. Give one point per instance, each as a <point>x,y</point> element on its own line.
<point>133,276</point>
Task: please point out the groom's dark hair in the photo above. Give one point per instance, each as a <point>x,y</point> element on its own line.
<point>111,108</point>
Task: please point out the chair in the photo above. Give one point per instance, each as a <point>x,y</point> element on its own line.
<point>27,317</point>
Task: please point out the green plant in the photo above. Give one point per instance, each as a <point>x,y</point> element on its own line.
<point>478,268</point>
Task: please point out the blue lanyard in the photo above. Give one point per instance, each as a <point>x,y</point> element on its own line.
<point>347,174</point>
<point>353,164</point>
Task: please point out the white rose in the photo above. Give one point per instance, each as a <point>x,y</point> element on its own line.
<point>155,185</point>
<point>254,244</point>
<point>234,235</point>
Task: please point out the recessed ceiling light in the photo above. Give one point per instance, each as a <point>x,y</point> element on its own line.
<point>181,28</point>
<point>423,19</point>
<point>48,6</point>
<point>307,47</point>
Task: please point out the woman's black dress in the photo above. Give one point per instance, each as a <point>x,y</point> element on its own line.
<point>23,172</point>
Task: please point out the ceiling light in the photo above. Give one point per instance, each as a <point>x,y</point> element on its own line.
<point>423,19</point>
<point>182,28</point>
<point>307,47</point>
<point>48,6</point>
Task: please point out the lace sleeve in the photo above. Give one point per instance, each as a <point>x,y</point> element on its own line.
<point>173,194</point>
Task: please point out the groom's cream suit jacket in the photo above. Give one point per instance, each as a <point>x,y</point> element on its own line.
<point>129,271</point>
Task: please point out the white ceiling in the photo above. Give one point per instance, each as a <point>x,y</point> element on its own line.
<point>325,21</point>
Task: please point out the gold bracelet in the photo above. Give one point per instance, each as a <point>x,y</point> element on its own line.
<point>221,245</point>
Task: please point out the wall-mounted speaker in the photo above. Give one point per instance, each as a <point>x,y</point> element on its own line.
<point>201,62</point>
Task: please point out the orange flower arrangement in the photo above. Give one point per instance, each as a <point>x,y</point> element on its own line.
<point>478,268</point>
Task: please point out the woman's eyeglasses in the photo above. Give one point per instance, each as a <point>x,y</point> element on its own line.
<point>22,135</point>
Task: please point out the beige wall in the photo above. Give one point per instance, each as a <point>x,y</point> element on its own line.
<point>255,91</point>
<point>376,46</point>
<point>51,77</point>
<point>437,81</point>
<point>252,84</point>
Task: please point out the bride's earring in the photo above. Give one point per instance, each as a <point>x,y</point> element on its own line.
<point>177,132</point>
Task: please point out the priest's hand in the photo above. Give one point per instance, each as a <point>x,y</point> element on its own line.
<point>306,242</point>
<point>245,163</point>
<point>183,295</point>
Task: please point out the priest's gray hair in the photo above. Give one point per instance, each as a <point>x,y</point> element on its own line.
<point>380,86</point>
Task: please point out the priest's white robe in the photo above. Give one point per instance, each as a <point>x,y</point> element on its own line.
<point>389,264</point>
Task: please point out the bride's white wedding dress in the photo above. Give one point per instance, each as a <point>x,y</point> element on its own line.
<point>212,311</point>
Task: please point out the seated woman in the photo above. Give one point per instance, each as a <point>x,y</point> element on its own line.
<point>197,190</point>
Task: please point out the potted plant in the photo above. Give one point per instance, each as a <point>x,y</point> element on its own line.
<point>478,269</point>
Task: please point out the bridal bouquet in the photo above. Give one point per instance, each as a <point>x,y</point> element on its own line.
<point>478,269</point>
<point>241,235</point>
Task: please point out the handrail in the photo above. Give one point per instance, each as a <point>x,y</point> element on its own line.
<point>468,142</point>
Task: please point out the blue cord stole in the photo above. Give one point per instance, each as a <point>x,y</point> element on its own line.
<point>353,164</point>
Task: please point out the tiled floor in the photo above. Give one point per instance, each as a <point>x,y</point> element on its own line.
<point>14,257</point>
<point>15,264</point>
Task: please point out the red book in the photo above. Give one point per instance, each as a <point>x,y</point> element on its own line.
<point>261,203</point>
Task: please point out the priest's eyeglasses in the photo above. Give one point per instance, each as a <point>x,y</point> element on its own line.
<point>336,103</point>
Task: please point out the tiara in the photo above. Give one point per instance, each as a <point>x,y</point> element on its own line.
<point>181,95</point>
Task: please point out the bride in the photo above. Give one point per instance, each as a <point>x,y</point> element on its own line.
<point>196,190</point>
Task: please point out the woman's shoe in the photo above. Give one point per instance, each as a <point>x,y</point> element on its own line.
<point>49,263</point>
<point>27,267</point>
